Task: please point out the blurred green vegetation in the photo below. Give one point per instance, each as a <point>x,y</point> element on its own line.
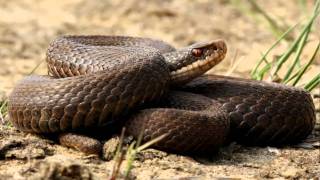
<point>296,68</point>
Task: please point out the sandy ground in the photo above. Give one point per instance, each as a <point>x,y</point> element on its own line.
<point>27,26</point>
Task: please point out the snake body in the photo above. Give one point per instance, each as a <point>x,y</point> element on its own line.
<point>155,89</point>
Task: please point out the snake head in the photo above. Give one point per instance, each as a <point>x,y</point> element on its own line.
<point>187,63</point>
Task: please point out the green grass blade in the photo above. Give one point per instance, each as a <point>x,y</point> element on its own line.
<point>313,83</point>
<point>118,157</point>
<point>296,60</point>
<point>294,75</point>
<point>35,68</point>
<point>121,139</point>
<point>131,155</point>
<point>317,6</point>
<point>133,150</point>
<point>263,58</point>
<point>3,106</point>
<point>285,57</point>
<point>149,143</point>
<point>140,137</point>
<point>308,64</point>
<point>263,71</point>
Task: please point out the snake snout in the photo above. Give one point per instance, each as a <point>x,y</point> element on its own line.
<point>221,46</point>
<point>215,50</point>
<point>204,56</point>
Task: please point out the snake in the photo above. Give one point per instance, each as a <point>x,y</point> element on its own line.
<point>100,83</point>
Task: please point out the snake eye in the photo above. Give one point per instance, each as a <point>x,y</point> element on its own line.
<point>196,52</point>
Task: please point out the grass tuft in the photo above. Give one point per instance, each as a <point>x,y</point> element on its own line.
<point>119,157</point>
<point>133,150</point>
<point>296,68</point>
<point>129,154</point>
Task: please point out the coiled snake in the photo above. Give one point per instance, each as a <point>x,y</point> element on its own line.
<point>150,87</point>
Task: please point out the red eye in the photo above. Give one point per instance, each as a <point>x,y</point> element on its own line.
<point>196,52</point>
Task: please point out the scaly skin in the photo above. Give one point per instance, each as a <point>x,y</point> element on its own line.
<point>260,113</point>
<point>101,81</point>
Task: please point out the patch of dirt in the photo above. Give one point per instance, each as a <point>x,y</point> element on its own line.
<point>27,156</point>
<point>27,27</point>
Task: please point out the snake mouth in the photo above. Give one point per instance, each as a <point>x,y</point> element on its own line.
<point>215,51</point>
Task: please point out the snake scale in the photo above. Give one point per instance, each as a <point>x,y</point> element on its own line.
<point>100,82</point>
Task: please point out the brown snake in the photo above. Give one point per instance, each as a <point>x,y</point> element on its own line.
<point>152,88</point>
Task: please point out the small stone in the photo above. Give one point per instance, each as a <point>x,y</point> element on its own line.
<point>110,148</point>
<point>274,150</point>
<point>151,154</point>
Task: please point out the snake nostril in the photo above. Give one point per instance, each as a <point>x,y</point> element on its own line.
<point>215,47</point>
<point>220,45</point>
